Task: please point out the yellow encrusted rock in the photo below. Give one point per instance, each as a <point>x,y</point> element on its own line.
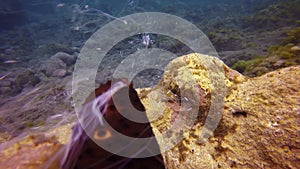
<point>260,121</point>
<point>33,152</point>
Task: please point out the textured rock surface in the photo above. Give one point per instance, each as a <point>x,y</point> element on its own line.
<point>15,81</point>
<point>52,67</point>
<point>259,126</point>
<point>58,65</point>
<point>33,152</point>
<point>262,122</point>
<point>66,58</point>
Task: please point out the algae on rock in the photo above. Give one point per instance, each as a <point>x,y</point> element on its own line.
<point>259,126</point>
<point>33,152</point>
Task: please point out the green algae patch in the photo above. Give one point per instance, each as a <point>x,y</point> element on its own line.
<point>279,56</point>
<point>245,66</point>
<point>293,36</point>
<point>276,15</point>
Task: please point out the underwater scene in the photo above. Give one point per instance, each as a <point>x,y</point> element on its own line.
<point>149,84</point>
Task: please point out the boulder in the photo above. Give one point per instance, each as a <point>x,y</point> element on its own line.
<point>31,152</point>
<point>34,151</point>
<point>259,126</point>
<point>66,58</point>
<point>59,73</point>
<point>54,67</point>
<point>58,65</point>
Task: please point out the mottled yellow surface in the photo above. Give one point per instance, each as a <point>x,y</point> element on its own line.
<point>32,152</point>
<point>35,151</point>
<point>260,125</point>
<point>61,133</point>
<point>269,135</point>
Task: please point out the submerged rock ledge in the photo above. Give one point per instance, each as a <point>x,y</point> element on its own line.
<point>259,128</point>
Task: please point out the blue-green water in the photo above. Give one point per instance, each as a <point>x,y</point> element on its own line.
<point>43,42</point>
<point>16,12</point>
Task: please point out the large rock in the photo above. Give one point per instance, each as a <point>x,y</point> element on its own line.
<point>66,58</point>
<point>260,120</point>
<point>55,67</point>
<point>35,151</point>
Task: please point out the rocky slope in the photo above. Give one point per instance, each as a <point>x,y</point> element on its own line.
<point>258,125</point>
